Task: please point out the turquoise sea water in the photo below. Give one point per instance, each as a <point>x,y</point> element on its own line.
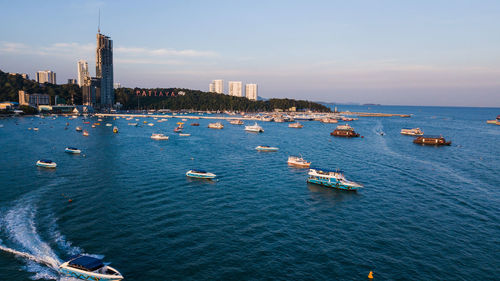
<point>426,213</point>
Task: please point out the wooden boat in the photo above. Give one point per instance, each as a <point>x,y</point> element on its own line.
<point>412,132</point>
<point>431,140</point>
<point>344,131</point>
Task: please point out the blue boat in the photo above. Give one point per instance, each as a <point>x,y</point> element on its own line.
<point>72,150</point>
<point>200,174</point>
<point>46,163</point>
<point>330,178</point>
<point>89,268</point>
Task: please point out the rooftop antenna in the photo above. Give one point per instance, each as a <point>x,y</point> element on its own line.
<point>99,22</point>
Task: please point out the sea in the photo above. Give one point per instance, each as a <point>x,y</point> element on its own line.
<point>424,213</point>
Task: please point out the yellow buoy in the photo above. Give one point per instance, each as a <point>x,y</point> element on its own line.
<point>370,275</point>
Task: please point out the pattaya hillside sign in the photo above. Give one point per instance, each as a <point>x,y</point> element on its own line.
<point>157,93</point>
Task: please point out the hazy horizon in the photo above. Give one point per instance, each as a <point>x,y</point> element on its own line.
<point>385,52</point>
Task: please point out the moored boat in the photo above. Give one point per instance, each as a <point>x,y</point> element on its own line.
<point>298,162</point>
<point>44,163</point>
<point>236,122</point>
<point>85,133</point>
<point>295,125</point>
<point>329,120</point>
<point>431,140</point>
<point>159,137</point>
<point>72,150</point>
<point>109,124</point>
<point>254,128</point>
<point>412,132</point>
<point>266,148</point>
<point>331,178</point>
<point>200,174</point>
<point>344,131</point>
<point>78,128</point>
<point>195,124</point>
<point>217,125</point>
<point>184,135</point>
<point>89,268</point>
<point>178,129</point>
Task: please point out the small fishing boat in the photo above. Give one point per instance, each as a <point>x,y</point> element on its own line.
<point>109,124</point>
<point>236,122</point>
<point>217,125</point>
<point>115,129</point>
<point>344,131</point>
<point>100,120</point>
<point>72,150</point>
<point>35,129</point>
<point>412,132</point>
<point>330,178</point>
<point>159,137</point>
<point>46,163</point>
<point>184,135</point>
<point>343,118</point>
<point>89,268</point>
<point>85,133</point>
<point>78,129</point>
<point>298,162</point>
<point>184,119</point>
<point>431,140</point>
<point>195,124</point>
<point>151,124</point>
<point>295,125</point>
<point>266,148</point>
<point>200,174</point>
<point>254,128</point>
<point>178,129</point>
<point>132,124</point>
<point>93,126</point>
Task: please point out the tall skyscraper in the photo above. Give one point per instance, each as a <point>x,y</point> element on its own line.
<point>211,88</point>
<point>83,71</point>
<point>217,86</point>
<point>235,88</point>
<point>104,69</point>
<point>251,91</point>
<point>90,91</point>
<point>46,76</point>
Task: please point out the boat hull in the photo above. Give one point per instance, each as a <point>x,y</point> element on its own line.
<point>71,151</point>
<point>88,276</point>
<point>345,134</point>
<point>336,185</point>
<point>200,176</point>
<point>44,165</point>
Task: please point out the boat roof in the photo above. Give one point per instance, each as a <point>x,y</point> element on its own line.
<point>86,263</point>
<point>72,148</point>
<point>198,171</point>
<point>46,161</point>
<point>431,136</point>
<point>326,170</point>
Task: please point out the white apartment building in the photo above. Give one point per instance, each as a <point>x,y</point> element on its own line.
<point>251,91</point>
<point>217,86</point>
<point>46,76</point>
<point>83,71</point>
<point>235,88</point>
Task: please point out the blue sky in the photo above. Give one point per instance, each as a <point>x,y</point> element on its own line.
<point>390,52</point>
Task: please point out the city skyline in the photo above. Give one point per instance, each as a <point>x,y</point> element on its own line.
<point>409,53</point>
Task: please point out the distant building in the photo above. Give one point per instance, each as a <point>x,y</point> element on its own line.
<point>83,71</point>
<point>46,76</point>
<point>117,85</point>
<point>71,81</point>
<point>235,88</point>
<point>24,75</point>
<point>217,86</point>
<point>104,69</point>
<point>33,99</point>
<point>251,91</point>
<point>7,105</point>
<point>91,91</point>
<point>181,93</point>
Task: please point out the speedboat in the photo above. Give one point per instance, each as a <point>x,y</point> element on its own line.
<point>72,150</point>
<point>412,132</point>
<point>236,122</point>
<point>266,148</point>
<point>217,125</point>
<point>330,178</point>
<point>200,174</point>
<point>89,268</point>
<point>46,163</point>
<point>78,129</point>
<point>159,137</point>
<point>254,128</point>
<point>35,129</point>
<point>184,135</point>
<point>295,125</point>
<point>298,162</point>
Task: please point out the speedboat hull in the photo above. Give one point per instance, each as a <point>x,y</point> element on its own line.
<point>84,275</point>
<point>52,165</point>
<point>267,149</point>
<point>72,151</point>
<point>198,175</point>
<point>335,184</point>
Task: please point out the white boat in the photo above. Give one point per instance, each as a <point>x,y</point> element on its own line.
<point>46,163</point>
<point>236,122</point>
<point>78,129</point>
<point>217,125</point>
<point>254,128</point>
<point>159,137</point>
<point>184,119</point>
<point>85,133</point>
<point>412,132</point>
<point>266,148</point>
<point>328,120</point>
<point>184,135</point>
<point>298,162</point>
<point>132,124</point>
<point>89,268</point>
<point>200,174</point>
<point>151,124</point>
<point>72,150</point>
<point>115,129</point>
<point>109,124</point>
<point>35,129</point>
<point>331,178</point>
<point>100,120</point>
<point>295,125</point>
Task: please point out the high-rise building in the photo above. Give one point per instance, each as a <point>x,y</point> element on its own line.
<point>217,86</point>
<point>104,69</point>
<point>83,71</point>
<point>251,91</point>
<point>90,91</point>
<point>46,76</point>
<point>235,88</point>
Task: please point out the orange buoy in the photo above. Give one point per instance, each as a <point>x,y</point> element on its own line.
<point>70,200</point>
<point>370,275</point>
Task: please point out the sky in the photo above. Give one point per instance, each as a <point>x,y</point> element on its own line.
<point>439,52</point>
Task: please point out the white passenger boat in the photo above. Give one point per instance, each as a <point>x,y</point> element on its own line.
<point>159,137</point>
<point>46,163</point>
<point>89,268</point>
<point>332,178</point>
<point>254,128</point>
<point>200,174</point>
<point>412,132</point>
<point>72,150</point>
<point>217,125</point>
<point>266,148</point>
<point>298,162</point>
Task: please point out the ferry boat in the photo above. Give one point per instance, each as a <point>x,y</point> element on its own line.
<point>329,120</point>
<point>115,129</point>
<point>344,131</point>
<point>46,163</point>
<point>431,140</point>
<point>200,174</point>
<point>298,162</point>
<point>217,125</point>
<point>159,137</point>
<point>295,125</point>
<point>78,129</point>
<point>412,132</point>
<point>266,148</point>
<point>254,128</point>
<point>72,150</point>
<point>236,122</point>
<point>195,124</point>
<point>330,178</point>
<point>85,133</point>
<point>89,268</point>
